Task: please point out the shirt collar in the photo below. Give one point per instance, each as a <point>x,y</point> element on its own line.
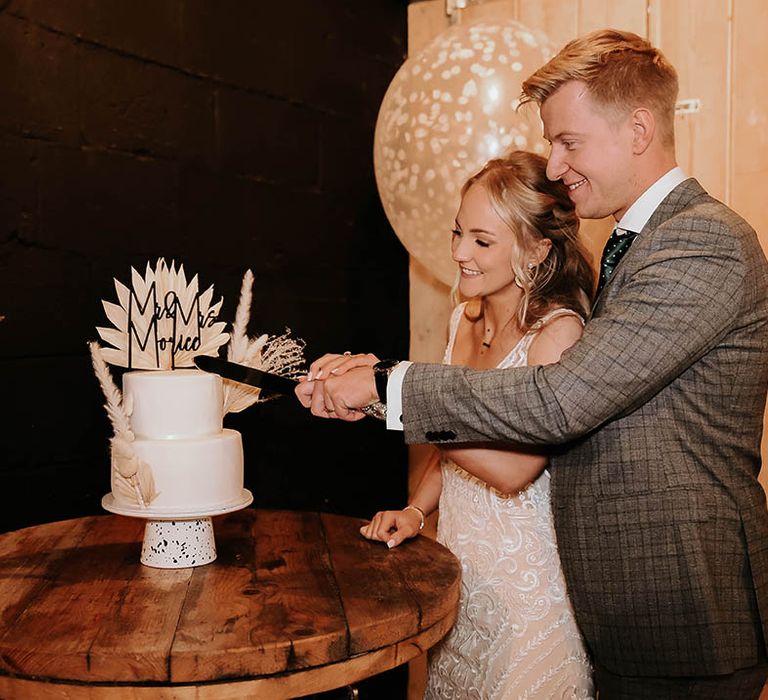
<point>636,217</point>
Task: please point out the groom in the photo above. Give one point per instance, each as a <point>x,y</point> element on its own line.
<point>661,522</point>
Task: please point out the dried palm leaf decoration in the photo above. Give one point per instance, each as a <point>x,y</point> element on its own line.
<point>279,354</point>
<point>133,477</point>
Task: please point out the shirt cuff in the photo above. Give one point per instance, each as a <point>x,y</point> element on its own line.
<point>395,396</point>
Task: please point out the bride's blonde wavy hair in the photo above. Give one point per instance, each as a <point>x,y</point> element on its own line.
<point>536,208</point>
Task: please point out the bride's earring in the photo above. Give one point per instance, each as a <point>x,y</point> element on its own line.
<point>531,275</point>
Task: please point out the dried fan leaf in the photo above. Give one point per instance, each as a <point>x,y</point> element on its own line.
<point>217,329</point>
<point>124,459</point>
<point>206,297</point>
<point>110,335</point>
<point>140,287</point>
<point>123,293</point>
<point>239,396</point>
<point>216,308</point>
<point>115,357</point>
<point>117,315</point>
<point>160,319</point>
<point>187,295</point>
<point>181,280</point>
<point>146,483</point>
<point>124,490</point>
<point>133,477</point>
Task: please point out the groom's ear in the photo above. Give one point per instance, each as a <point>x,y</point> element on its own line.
<point>643,129</point>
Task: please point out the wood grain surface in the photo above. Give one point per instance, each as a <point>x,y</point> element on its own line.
<point>295,603</point>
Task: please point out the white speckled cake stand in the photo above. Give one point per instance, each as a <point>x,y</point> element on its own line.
<point>178,539</point>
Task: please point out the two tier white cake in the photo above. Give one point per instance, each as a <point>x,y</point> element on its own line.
<point>176,418</point>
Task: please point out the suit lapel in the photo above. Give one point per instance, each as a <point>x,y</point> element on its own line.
<point>677,200</point>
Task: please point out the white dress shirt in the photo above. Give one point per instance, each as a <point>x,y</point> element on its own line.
<point>636,217</point>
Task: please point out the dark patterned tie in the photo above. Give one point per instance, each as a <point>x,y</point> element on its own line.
<point>618,243</point>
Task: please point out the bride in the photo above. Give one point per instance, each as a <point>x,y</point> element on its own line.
<point>527,284</point>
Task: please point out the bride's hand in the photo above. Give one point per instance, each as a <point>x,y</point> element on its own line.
<point>392,526</point>
<point>304,391</point>
<point>332,364</point>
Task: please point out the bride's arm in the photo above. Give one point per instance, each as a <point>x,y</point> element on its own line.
<point>394,526</point>
<point>507,470</point>
<point>511,469</point>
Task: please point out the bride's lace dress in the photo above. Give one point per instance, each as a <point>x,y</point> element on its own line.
<point>515,636</point>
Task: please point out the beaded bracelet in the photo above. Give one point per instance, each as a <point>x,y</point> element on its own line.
<point>419,511</point>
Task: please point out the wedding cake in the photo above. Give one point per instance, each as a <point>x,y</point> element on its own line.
<point>172,461</point>
<point>176,419</point>
<point>171,456</point>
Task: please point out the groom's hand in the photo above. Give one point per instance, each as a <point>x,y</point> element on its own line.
<point>344,395</point>
<point>336,386</point>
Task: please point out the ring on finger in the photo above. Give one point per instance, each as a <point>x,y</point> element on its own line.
<point>347,352</point>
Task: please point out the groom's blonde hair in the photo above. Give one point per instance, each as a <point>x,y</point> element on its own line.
<point>621,70</point>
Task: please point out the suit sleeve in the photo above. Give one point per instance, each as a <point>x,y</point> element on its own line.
<point>679,300</point>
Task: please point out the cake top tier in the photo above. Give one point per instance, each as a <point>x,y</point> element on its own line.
<point>179,404</point>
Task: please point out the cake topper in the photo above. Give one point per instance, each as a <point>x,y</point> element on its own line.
<point>162,321</point>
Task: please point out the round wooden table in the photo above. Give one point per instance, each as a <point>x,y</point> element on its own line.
<point>295,603</point>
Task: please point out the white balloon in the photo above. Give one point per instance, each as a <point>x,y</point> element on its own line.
<point>449,109</point>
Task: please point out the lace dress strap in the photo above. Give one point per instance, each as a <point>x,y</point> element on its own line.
<point>553,314</point>
<point>456,315</point>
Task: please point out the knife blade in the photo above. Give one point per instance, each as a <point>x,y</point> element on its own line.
<point>267,381</point>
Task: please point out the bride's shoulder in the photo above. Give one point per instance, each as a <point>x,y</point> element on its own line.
<point>556,332</point>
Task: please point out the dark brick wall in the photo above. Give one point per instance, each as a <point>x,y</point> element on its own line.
<point>224,135</point>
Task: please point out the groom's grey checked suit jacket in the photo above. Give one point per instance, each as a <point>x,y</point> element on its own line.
<point>656,414</point>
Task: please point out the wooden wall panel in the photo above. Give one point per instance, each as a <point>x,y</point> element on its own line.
<point>599,14</point>
<point>558,20</point>
<point>749,109</point>
<point>748,103</point>
<point>703,147</point>
<point>425,21</point>
<point>489,10</point>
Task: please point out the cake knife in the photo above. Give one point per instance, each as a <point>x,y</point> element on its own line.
<point>274,383</point>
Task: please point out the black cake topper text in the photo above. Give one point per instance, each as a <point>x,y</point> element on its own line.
<point>165,324</point>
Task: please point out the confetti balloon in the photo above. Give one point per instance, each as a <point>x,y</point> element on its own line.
<point>449,109</point>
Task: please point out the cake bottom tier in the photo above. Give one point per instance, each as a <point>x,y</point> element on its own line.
<point>191,474</point>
